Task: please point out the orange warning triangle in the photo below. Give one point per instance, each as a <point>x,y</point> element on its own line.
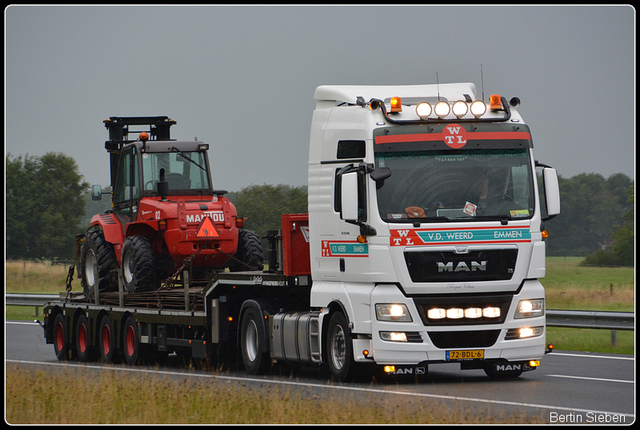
<point>206,229</point>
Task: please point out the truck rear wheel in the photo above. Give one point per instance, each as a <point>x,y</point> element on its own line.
<point>339,347</point>
<point>138,265</point>
<point>252,343</point>
<point>96,265</point>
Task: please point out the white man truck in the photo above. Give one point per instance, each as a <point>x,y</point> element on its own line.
<point>424,244</point>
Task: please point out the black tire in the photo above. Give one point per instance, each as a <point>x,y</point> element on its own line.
<point>253,343</point>
<point>130,341</point>
<point>107,341</point>
<point>249,252</point>
<point>339,348</point>
<point>60,338</point>
<point>138,264</point>
<point>84,346</point>
<point>97,264</point>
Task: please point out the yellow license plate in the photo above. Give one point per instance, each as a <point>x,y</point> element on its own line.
<point>467,354</point>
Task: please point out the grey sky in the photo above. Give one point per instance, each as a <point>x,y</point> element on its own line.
<point>242,78</point>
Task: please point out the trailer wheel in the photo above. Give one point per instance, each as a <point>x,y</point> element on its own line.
<point>84,347</point>
<point>96,265</point>
<point>253,342</point>
<point>138,263</point>
<point>107,340</point>
<point>339,347</point>
<point>60,341</point>
<point>130,339</point>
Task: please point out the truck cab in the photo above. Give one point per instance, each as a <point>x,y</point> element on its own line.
<point>426,213</point>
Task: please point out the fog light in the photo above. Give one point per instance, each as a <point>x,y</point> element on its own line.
<point>491,312</point>
<point>393,336</point>
<point>473,313</point>
<point>389,369</point>
<point>455,313</point>
<point>423,110</point>
<point>534,363</point>
<point>530,332</point>
<point>442,109</point>
<point>478,108</point>
<point>436,314</point>
<point>460,109</point>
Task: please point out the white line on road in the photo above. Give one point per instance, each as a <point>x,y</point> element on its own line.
<point>592,379</point>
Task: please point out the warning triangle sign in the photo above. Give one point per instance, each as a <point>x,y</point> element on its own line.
<point>206,229</point>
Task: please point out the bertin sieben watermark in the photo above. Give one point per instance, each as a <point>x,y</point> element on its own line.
<point>591,417</point>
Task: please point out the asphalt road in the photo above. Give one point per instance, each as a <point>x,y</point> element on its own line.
<point>568,387</point>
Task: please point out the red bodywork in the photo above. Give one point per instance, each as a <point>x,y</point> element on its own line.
<point>182,217</point>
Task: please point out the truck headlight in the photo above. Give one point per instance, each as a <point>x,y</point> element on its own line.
<point>392,312</point>
<point>530,308</point>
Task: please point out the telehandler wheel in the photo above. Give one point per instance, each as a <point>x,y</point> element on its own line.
<point>253,343</point>
<point>84,347</point>
<point>250,252</point>
<point>138,263</point>
<point>339,349</point>
<point>96,265</point>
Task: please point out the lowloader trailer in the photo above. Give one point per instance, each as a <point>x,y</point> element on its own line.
<point>424,244</point>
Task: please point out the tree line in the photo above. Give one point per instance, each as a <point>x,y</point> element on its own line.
<point>46,202</point>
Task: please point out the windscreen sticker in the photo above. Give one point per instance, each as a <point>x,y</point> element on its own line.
<point>344,249</point>
<point>447,236</point>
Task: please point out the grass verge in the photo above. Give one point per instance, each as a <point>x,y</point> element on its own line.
<point>116,398</point>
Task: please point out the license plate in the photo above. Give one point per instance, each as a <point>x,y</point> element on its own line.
<point>467,354</point>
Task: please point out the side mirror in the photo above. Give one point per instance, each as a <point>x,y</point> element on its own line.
<point>349,197</point>
<point>551,192</point>
<point>379,176</point>
<point>96,192</point>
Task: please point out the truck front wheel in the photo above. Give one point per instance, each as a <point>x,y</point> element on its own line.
<point>138,265</point>
<point>339,348</point>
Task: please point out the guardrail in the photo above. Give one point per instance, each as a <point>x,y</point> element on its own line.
<point>555,317</point>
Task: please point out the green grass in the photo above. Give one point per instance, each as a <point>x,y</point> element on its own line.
<point>69,397</point>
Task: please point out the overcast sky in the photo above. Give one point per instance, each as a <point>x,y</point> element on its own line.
<point>242,78</point>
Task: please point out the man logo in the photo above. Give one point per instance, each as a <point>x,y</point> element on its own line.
<point>462,266</point>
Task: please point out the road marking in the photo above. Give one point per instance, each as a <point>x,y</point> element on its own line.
<point>592,379</point>
<point>592,356</point>
<point>321,386</point>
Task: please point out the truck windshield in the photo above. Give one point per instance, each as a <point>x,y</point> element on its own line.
<point>494,184</point>
<point>182,170</point>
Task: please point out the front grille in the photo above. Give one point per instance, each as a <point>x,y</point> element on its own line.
<point>463,301</point>
<point>449,266</point>
<point>464,339</point>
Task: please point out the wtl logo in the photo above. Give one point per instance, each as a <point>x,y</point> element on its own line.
<point>455,136</point>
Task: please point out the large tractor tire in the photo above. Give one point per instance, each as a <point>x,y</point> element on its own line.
<point>138,265</point>
<point>97,266</point>
<point>249,255</point>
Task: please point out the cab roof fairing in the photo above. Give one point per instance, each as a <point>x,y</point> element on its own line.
<point>350,93</point>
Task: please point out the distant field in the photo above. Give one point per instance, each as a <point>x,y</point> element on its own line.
<point>568,286</point>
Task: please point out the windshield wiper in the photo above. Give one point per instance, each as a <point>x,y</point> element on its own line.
<point>173,148</point>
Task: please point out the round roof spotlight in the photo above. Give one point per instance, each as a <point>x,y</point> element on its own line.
<point>478,108</point>
<point>442,109</point>
<point>460,109</point>
<point>423,110</point>
<point>514,102</point>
